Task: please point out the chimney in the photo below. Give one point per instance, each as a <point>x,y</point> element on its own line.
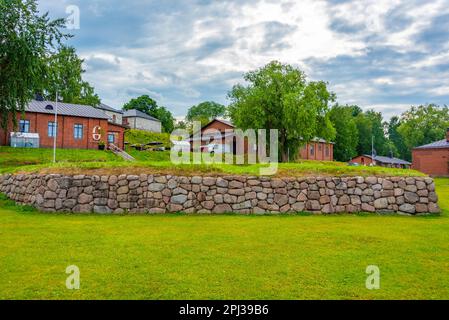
<point>447,135</point>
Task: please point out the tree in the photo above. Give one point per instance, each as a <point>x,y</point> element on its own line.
<point>26,39</point>
<point>399,147</point>
<point>64,74</point>
<point>143,103</point>
<point>347,137</point>
<point>184,125</point>
<point>279,97</point>
<point>381,144</point>
<point>166,118</point>
<point>205,112</point>
<point>371,129</point>
<point>149,106</point>
<point>364,129</point>
<point>422,125</point>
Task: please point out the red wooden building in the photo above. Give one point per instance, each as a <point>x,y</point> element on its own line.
<point>390,162</point>
<point>432,158</point>
<point>317,149</point>
<point>78,126</point>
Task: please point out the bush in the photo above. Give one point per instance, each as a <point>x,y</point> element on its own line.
<point>134,136</point>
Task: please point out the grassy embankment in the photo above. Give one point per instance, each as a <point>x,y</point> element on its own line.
<point>104,162</point>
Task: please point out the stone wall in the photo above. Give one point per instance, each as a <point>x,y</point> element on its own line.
<point>239,194</point>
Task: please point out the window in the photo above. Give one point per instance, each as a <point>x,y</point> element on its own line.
<point>24,126</point>
<point>327,151</point>
<point>114,118</point>
<point>312,150</point>
<point>78,131</point>
<point>111,138</point>
<point>319,148</point>
<point>52,129</point>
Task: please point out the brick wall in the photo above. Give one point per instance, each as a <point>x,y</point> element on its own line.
<point>431,161</point>
<point>319,151</point>
<point>65,138</point>
<point>362,160</point>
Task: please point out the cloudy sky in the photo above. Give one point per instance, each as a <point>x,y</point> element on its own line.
<point>380,54</point>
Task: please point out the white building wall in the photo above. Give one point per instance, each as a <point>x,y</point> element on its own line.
<point>118,116</point>
<point>144,124</point>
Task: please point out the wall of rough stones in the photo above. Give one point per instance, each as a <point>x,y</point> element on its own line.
<point>164,193</point>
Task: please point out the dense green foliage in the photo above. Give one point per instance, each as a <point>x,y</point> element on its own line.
<point>396,141</point>
<point>347,136</point>
<point>396,137</point>
<point>279,97</point>
<point>422,125</point>
<point>224,256</point>
<point>149,106</point>
<point>26,40</point>
<point>370,126</point>
<point>64,75</point>
<point>205,112</point>
<point>143,137</point>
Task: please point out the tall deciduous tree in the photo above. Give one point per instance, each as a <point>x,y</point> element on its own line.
<point>347,137</point>
<point>378,132</point>
<point>149,106</point>
<point>371,128</point>
<point>205,112</point>
<point>26,39</point>
<point>423,124</point>
<point>64,74</point>
<point>400,149</point>
<point>279,97</point>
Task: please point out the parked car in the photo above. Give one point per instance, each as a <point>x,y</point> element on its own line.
<point>216,148</point>
<point>353,164</point>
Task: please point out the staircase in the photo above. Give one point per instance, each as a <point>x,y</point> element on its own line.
<point>119,152</point>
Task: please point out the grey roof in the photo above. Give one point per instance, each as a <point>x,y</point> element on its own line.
<point>389,160</point>
<point>318,139</point>
<point>435,145</point>
<point>321,140</point>
<point>66,109</point>
<point>105,107</point>
<point>138,114</point>
<point>229,123</point>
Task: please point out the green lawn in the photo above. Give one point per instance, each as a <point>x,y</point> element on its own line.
<point>224,257</point>
<point>104,162</point>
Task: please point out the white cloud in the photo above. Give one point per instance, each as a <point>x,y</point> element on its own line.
<point>440,91</point>
<point>312,36</point>
<point>432,60</point>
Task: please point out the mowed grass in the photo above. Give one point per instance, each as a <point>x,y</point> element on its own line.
<point>223,257</point>
<point>13,160</point>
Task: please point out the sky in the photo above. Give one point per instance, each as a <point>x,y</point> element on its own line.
<point>384,55</point>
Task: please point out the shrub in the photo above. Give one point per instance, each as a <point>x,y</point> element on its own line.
<point>134,136</point>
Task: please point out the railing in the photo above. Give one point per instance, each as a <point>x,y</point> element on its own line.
<point>116,150</point>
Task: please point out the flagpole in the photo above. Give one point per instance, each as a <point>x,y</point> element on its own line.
<point>55,128</point>
<point>372,149</point>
